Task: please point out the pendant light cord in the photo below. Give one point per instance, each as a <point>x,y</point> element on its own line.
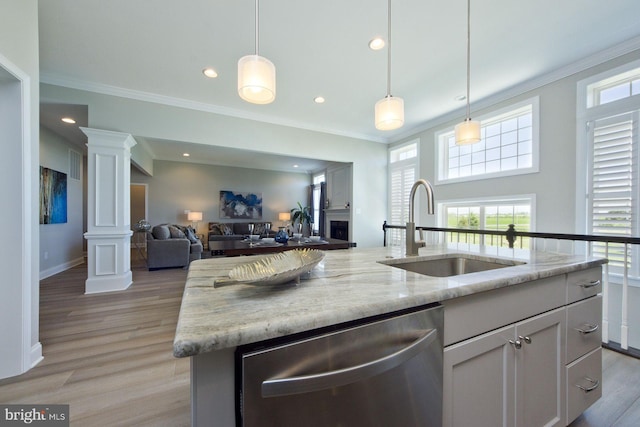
<point>389,49</point>
<point>468,56</point>
<point>257,44</point>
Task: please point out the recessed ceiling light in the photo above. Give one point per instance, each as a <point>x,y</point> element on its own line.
<point>210,72</point>
<point>377,43</point>
<point>296,166</point>
<point>68,120</point>
<point>185,154</point>
<point>319,99</point>
<point>460,98</point>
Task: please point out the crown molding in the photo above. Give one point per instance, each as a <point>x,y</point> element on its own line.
<point>57,80</point>
<point>583,64</point>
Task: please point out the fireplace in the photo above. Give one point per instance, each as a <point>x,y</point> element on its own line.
<point>339,230</point>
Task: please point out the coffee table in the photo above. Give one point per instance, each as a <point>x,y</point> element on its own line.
<point>242,247</point>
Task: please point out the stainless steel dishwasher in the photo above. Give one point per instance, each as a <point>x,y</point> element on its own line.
<point>385,372</point>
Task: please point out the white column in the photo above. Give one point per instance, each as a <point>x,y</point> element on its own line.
<point>108,221</point>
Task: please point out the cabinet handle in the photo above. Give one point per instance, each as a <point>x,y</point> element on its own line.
<point>525,339</point>
<point>591,284</point>
<point>517,344</point>
<point>590,329</point>
<point>595,385</point>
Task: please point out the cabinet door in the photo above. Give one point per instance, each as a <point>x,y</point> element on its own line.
<point>540,382</point>
<point>479,381</point>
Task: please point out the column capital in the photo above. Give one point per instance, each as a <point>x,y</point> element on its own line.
<point>109,138</point>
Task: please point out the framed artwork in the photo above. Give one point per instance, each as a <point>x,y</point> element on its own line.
<point>53,196</point>
<point>240,205</point>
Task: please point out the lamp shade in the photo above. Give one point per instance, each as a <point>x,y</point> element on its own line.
<point>194,216</point>
<point>389,113</point>
<point>284,216</point>
<point>467,132</point>
<point>256,79</point>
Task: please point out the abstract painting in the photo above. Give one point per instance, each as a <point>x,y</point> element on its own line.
<point>240,205</point>
<point>53,196</point>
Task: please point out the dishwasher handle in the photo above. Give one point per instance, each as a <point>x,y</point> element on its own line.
<point>316,382</point>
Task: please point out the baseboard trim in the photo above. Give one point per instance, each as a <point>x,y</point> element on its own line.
<point>633,352</point>
<point>36,355</point>
<point>60,268</point>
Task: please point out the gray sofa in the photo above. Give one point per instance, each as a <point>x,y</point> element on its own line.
<point>171,245</point>
<point>237,230</point>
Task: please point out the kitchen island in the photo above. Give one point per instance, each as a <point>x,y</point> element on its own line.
<point>349,285</point>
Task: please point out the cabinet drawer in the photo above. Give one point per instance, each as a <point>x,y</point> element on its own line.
<point>584,332</point>
<point>472,315</point>
<point>584,284</point>
<point>585,372</point>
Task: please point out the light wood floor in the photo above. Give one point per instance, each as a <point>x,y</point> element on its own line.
<point>109,357</point>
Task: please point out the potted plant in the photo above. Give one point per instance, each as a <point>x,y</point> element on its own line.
<point>301,215</point>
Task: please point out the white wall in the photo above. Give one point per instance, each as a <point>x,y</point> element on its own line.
<point>151,120</point>
<point>176,186</point>
<point>19,94</point>
<point>555,184</point>
<point>61,245</point>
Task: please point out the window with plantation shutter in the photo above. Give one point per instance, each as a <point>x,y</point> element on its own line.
<point>613,201</point>
<point>403,163</point>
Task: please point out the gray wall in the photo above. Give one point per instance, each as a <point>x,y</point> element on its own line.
<point>61,245</point>
<point>176,187</point>
<point>555,184</point>
<point>19,294</point>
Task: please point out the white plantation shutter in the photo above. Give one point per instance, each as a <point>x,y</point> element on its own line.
<point>614,181</point>
<point>402,175</point>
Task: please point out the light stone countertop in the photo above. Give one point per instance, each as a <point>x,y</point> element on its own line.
<point>347,285</point>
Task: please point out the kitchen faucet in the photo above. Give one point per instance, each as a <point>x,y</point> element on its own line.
<point>412,245</point>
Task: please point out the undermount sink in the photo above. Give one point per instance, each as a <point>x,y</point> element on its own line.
<point>450,264</point>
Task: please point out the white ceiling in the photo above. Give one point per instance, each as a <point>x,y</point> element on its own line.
<point>160,47</point>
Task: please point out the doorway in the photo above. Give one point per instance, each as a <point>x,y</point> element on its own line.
<point>138,211</point>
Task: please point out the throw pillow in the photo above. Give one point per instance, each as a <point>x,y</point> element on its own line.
<point>175,232</point>
<point>191,235</point>
<point>161,232</point>
<point>214,228</point>
<point>226,229</point>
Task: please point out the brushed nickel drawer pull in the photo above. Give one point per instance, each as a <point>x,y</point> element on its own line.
<point>595,385</point>
<point>517,344</point>
<point>590,284</point>
<point>590,329</point>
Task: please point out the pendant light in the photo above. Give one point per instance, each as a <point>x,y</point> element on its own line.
<point>256,74</point>
<point>468,132</point>
<point>389,111</point>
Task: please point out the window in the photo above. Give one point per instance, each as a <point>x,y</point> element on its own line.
<point>488,214</point>
<point>403,172</point>
<point>318,180</point>
<point>508,146</point>
<point>609,106</point>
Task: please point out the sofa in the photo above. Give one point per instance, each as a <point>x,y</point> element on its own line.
<point>237,230</point>
<point>172,245</point>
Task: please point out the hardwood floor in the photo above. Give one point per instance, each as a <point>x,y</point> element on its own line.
<point>109,357</point>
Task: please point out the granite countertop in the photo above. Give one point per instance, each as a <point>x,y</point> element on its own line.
<point>347,285</point>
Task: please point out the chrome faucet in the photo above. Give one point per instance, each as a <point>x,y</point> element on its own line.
<point>412,245</point>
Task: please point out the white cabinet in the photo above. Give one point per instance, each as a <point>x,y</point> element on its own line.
<point>523,356</point>
<point>513,376</point>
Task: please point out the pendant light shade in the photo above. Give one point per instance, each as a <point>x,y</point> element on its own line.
<point>256,74</point>
<point>468,132</point>
<point>256,79</point>
<point>389,111</point>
